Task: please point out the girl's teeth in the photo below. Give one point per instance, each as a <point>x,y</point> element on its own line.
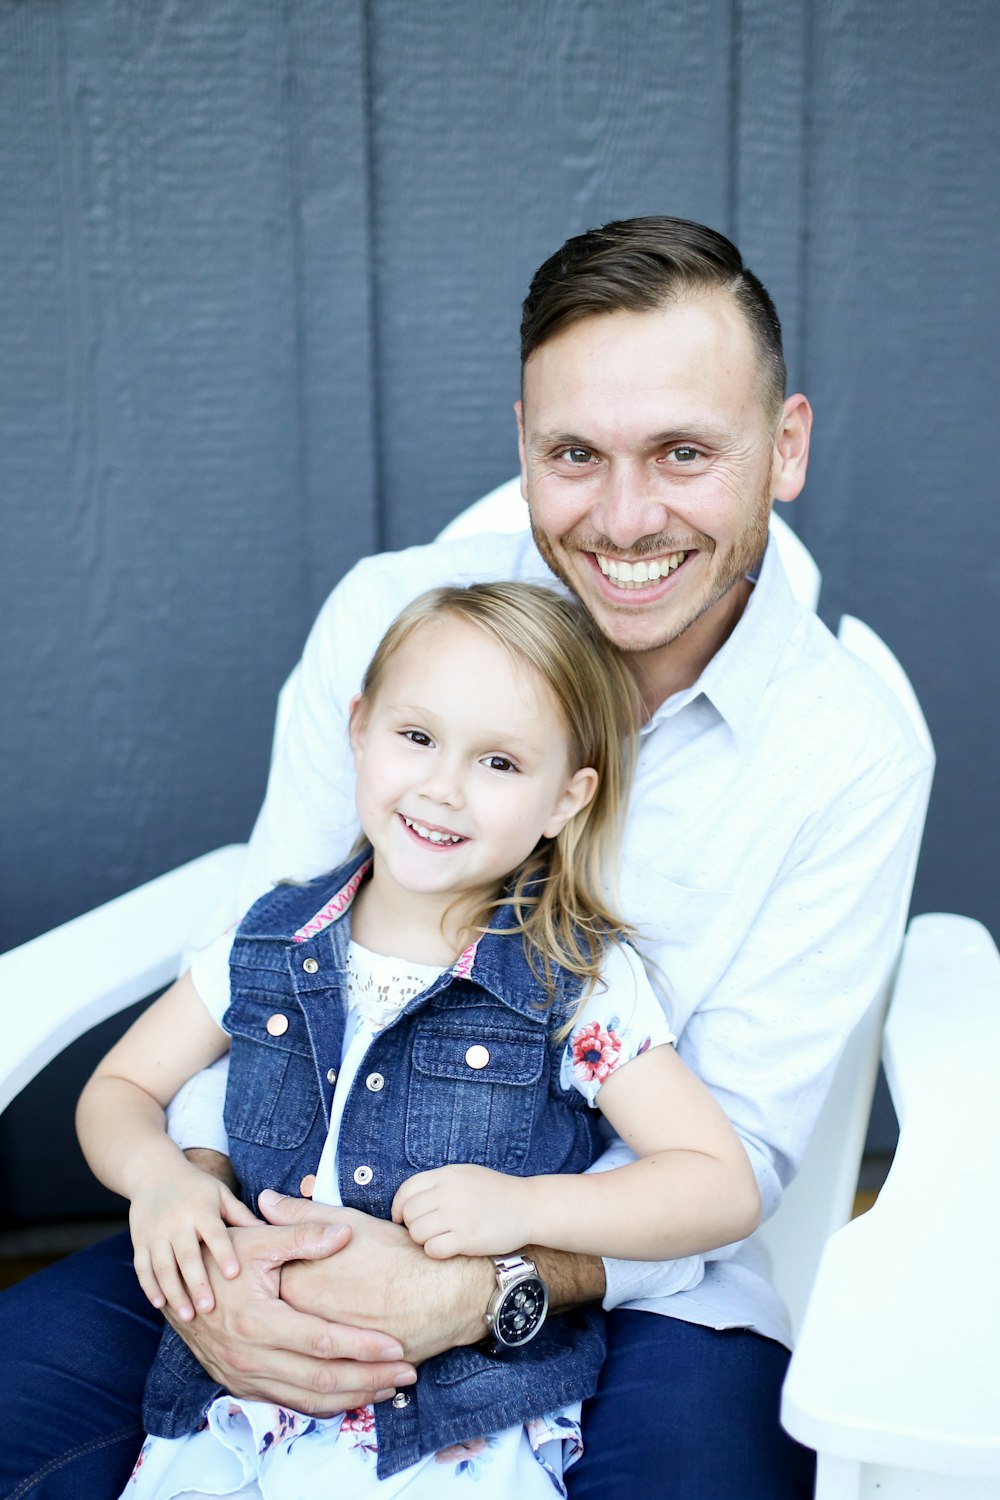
<point>431,834</point>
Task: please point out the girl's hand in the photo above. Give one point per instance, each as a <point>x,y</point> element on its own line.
<point>182,1214</point>
<point>465,1210</point>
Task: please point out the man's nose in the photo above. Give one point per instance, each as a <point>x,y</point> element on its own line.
<point>630,506</point>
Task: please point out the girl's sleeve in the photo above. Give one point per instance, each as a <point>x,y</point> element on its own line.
<point>622,1018</point>
<point>210,974</point>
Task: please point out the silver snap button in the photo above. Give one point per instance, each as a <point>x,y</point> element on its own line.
<point>331,1075</point>
<point>311,965</point>
<point>477,1056</point>
<point>375,1082</point>
<point>277,1024</point>
<point>400,1399</point>
<point>363,1176</point>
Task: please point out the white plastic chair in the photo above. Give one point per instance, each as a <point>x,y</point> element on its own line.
<point>504,509</point>
<point>57,986</point>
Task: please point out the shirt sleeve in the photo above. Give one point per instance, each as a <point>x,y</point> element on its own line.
<point>195,1114</point>
<point>621,1018</point>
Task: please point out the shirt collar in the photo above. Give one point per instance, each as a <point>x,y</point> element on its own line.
<point>734,680</point>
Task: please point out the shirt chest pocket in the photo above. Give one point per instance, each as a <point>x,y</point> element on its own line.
<point>272,1096</point>
<point>472,1097</point>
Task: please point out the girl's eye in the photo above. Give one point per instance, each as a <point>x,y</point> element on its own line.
<point>499,763</point>
<point>416,736</point>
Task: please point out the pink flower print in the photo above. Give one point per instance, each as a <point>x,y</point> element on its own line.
<point>361,1419</point>
<point>462,1453</point>
<point>595,1052</point>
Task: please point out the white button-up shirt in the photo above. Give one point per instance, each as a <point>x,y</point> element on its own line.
<point>767,860</point>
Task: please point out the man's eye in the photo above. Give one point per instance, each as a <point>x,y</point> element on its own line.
<point>685,453</point>
<point>499,763</point>
<point>577,456</point>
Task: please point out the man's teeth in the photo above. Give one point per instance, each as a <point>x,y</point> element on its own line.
<point>432,834</point>
<point>633,575</point>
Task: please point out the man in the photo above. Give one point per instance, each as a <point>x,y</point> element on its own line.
<point>766,864</point>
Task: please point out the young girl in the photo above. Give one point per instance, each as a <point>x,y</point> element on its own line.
<point>425,1034</point>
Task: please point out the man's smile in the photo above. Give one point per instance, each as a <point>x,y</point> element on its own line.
<point>641,573</point>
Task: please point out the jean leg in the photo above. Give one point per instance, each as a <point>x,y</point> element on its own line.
<point>688,1413</point>
<point>76,1341</point>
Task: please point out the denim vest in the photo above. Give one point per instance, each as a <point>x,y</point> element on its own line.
<point>430,1107</point>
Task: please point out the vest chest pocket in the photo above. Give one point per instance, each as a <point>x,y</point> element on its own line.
<point>472,1096</point>
<point>272,1097</point>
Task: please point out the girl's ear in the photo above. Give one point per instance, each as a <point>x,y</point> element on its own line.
<point>572,800</point>
<point>357,722</point>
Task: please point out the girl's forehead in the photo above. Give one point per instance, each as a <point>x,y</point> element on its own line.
<point>451,658</point>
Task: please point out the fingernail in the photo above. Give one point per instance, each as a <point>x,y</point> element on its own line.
<point>385,1395</point>
<point>268,1196</point>
<point>406,1376</point>
<point>389,1350</point>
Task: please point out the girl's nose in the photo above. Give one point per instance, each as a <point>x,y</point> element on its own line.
<point>444,785</point>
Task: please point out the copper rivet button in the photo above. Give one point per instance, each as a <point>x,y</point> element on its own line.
<point>477,1056</point>
<point>363,1176</point>
<point>331,1075</point>
<point>311,965</point>
<point>375,1082</point>
<point>308,1185</point>
<point>277,1024</point>
<point>400,1399</point>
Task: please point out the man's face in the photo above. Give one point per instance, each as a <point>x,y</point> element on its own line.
<point>649,463</point>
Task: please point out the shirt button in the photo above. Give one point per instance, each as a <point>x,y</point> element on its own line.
<point>311,965</point>
<point>308,1185</point>
<point>400,1399</point>
<point>277,1024</point>
<point>331,1075</point>
<point>375,1082</point>
<point>477,1057</point>
<point>363,1176</point>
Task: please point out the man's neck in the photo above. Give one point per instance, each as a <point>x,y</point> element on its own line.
<point>671,668</point>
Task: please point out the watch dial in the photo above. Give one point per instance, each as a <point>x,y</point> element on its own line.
<point>521,1312</point>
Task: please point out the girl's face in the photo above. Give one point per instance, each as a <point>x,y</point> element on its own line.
<point>462,762</point>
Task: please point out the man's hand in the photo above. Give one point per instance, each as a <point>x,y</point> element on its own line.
<point>381,1279</point>
<point>257,1346</point>
<point>466,1210</point>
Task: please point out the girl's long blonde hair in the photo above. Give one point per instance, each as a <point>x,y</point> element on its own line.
<point>558,892</point>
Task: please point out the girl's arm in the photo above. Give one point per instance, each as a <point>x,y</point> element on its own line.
<point>175,1207</point>
<point>691,1189</point>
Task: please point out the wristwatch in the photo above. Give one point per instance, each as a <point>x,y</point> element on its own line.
<point>518,1306</point>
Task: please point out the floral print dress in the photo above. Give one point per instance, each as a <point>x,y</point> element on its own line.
<point>252,1450</point>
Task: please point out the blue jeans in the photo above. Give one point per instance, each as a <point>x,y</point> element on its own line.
<point>683,1413</point>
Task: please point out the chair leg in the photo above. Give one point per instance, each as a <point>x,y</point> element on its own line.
<point>837,1478</point>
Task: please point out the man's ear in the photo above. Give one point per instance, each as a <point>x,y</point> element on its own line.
<point>519,414</point>
<point>357,724</point>
<point>572,800</point>
<point>791,448</point>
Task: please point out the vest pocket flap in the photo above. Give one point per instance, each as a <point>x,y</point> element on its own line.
<point>272,1020</point>
<point>479,1056</point>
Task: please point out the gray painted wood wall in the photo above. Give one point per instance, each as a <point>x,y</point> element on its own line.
<point>260,274</point>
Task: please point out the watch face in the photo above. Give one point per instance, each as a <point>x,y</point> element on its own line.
<point>521,1312</point>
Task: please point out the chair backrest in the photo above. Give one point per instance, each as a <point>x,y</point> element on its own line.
<point>820,1199</point>
<point>503,509</point>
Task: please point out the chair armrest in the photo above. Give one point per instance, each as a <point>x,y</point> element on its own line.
<point>896,1364</point>
<point>62,983</point>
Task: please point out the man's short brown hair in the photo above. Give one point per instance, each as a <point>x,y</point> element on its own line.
<point>637,265</point>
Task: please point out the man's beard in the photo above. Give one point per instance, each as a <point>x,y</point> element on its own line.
<point>743,556</point>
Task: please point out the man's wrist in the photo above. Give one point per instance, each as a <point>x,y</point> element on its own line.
<point>571,1279</point>
<point>212,1162</point>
